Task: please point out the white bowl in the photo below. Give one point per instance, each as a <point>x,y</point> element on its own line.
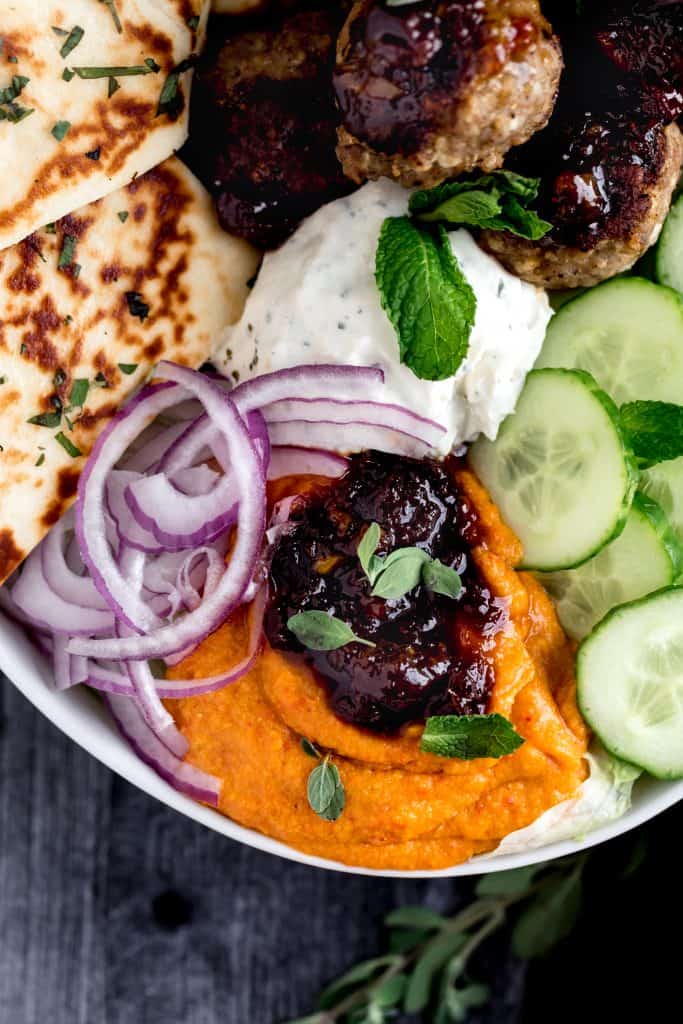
<point>82,717</point>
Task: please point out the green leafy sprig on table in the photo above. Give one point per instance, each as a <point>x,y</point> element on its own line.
<point>426,967</point>
<point>425,294</point>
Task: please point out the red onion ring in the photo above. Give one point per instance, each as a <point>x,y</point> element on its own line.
<point>354,437</point>
<point>193,687</point>
<point>289,461</point>
<point>247,472</point>
<point>393,417</point>
<point>149,748</point>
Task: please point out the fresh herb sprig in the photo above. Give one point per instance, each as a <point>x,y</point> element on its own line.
<point>422,288</point>
<point>395,575</point>
<point>654,431</point>
<point>426,967</point>
<point>322,632</point>
<point>428,299</point>
<point>325,789</point>
<point>500,201</point>
<point>467,737</point>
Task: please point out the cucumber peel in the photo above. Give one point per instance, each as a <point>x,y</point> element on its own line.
<point>630,682</point>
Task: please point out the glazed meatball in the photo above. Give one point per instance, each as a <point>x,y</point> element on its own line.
<point>611,157</point>
<point>264,125</point>
<point>607,206</point>
<point>429,90</point>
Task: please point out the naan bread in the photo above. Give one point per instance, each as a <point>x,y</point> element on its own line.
<point>158,279</point>
<point>44,178</point>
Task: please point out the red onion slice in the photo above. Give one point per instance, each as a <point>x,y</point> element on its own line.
<point>109,680</point>
<point>180,521</point>
<point>47,610</point>
<point>248,476</point>
<point>68,671</point>
<point>194,687</point>
<point>156,716</point>
<point>67,583</point>
<point>321,381</point>
<point>288,461</point>
<point>129,531</point>
<point>151,447</point>
<point>182,776</point>
<point>394,417</point>
<point>127,604</point>
<point>349,437</point>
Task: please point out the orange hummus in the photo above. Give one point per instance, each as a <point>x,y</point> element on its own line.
<point>404,809</point>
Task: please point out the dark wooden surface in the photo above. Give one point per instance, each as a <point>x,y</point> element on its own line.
<point>116,910</point>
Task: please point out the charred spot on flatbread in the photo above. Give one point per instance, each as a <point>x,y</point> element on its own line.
<point>68,325</point>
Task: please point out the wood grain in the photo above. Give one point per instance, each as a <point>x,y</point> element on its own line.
<point>116,910</point>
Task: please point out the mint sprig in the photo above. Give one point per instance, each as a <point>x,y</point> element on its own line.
<point>654,431</point>
<point>499,201</point>
<point>426,296</point>
<point>467,737</point>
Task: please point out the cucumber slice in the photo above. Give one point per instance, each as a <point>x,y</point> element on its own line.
<point>669,256</point>
<point>645,557</point>
<point>560,470</point>
<point>664,484</point>
<point>630,682</point>
<point>628,333</point>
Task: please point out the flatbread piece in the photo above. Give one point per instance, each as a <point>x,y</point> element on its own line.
<point>146,274</point>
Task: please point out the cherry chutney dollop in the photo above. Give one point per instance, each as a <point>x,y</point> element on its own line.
<point>432,654</point>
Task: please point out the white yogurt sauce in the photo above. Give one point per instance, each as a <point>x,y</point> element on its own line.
<point>316,301</point>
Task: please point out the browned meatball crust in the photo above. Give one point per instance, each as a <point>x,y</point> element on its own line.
<point>264,124</point>
<point>610,158</point>
<point>637,197</point>
<point>430,90</point>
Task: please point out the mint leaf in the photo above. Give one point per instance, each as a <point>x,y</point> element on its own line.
<point>469,736</point>
<point>497,202</point>
<point>426,296</point>
<point>371,565</point>
<point>322,632</point>
<point>441,579</point>
<point>654,430</point>
<point>325,791</point>
<point>400,572</point>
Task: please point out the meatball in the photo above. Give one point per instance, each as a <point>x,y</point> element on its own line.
<point>608,206</point>
<point>429,90</point>
<point>426,654</point>
<point>611,156</point>
<point>264,125</point>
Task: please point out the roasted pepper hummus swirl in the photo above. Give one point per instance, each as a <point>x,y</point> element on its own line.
<point>404,809</point>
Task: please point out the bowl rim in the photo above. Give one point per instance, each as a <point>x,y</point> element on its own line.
<point>28,670</point>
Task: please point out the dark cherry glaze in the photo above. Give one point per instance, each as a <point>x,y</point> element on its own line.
<point>403,68</point>
<point>432,654</point>
<point>604,146</point>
